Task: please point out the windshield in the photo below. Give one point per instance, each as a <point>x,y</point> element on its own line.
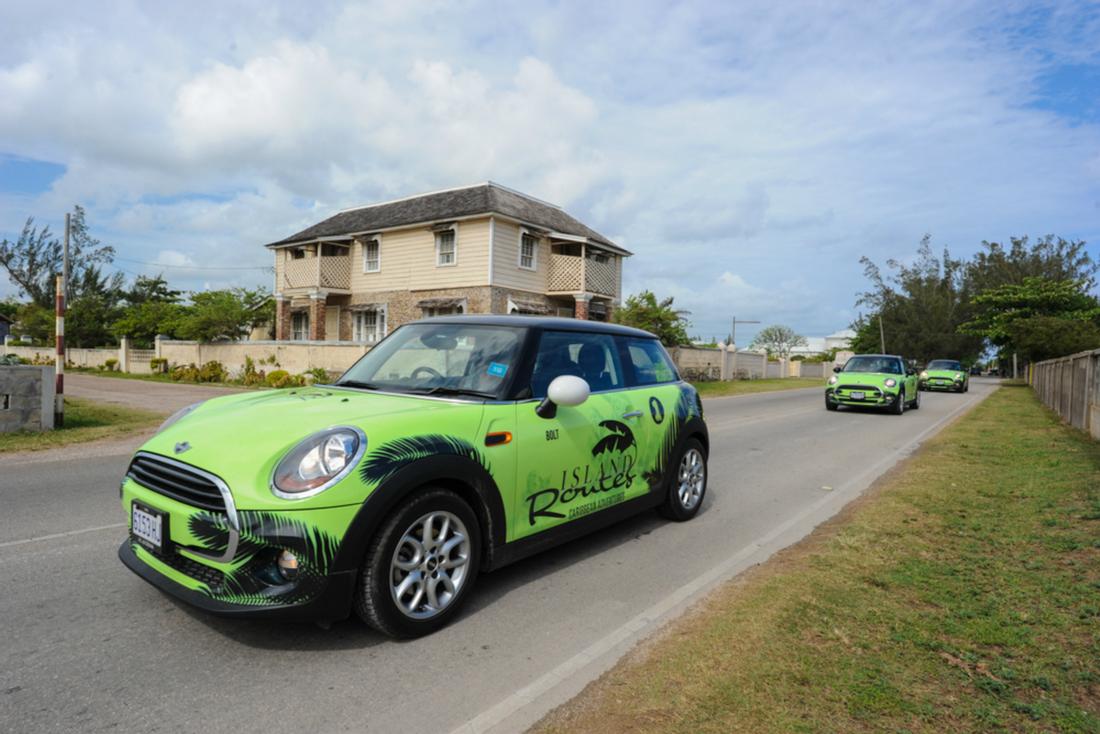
<point>888,365</point>
<point>945,364</point>
<point>440,359</point>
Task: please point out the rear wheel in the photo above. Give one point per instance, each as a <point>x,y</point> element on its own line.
<point>689,483</point>
<point>421,566</point>
<point>915,405</point>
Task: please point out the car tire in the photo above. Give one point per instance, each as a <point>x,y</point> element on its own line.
<point>829,404</point>
<point>414,541</point>
<point>915,405</point>
<point>899,405</point>
<point>687,486</point>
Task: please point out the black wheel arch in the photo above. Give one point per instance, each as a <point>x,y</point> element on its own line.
<point>461,475</point>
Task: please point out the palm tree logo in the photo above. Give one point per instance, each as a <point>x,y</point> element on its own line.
<point>620,439</point>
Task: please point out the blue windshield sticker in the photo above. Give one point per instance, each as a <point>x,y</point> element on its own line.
<point>496,369</point>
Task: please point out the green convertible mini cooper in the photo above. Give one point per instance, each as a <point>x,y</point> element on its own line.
<point>455,446</point>
<point>873,381</point>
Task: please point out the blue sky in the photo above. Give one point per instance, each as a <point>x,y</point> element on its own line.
<point>748,153</point>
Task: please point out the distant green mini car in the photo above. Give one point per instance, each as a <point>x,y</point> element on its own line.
<point>945,374</point>
<point>455,446</point>
<point>873,381</point>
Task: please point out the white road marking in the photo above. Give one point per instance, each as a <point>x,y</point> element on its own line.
<point>647,621</point>
<point>55,536</point>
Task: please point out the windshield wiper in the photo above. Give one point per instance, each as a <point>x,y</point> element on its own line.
<point>444,390</point>
<point>356,383</point>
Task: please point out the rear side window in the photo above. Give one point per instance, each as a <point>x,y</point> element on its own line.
<point>591,356</point>
<point>650,362</point>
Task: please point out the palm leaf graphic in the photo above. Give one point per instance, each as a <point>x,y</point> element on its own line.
<point>621,438</point>
<point>388,459</point>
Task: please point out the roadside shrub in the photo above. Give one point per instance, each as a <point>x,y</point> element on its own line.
<point>317,374</point>
<point>251,376</point>
<point>281,378</point>
<point>212,371</point>
<point>159,365</point>
<point>11,359</point>
<point>110,365</point>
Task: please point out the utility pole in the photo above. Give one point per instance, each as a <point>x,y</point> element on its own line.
<point>881,333</point>
<point>733,328</point>
<point>62,290</point>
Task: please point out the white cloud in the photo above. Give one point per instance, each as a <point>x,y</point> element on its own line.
<point>749,153</point>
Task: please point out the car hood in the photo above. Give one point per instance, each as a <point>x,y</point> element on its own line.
<point>871,379</point>
<point>948,374</point>
<point>241,438</point>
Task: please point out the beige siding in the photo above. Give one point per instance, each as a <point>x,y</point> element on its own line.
<point>506,270</point>
<point>280,260</point>
<point>408,260</point>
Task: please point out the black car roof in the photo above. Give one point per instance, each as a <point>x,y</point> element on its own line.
<point>891,356</point>
<point>541,322</point>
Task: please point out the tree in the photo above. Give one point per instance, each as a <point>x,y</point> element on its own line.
<point>224,314</point>
<point>644,311</point>
<point>153,289</point>
<point>33,261</point>
<point>143,321</point>
<point>921,307</point>
<point>1047,337</point>
<point>778,340</point>
<point>1049,257</point>
<point>96,303</point>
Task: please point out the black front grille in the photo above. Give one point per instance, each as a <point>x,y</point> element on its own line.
<point>212,577</point>
<point>178,481</point>
<point>860,388</point>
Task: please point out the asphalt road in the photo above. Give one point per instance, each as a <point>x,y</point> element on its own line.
<point>87,646</point>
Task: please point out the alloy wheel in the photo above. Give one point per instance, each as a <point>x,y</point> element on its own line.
<point>692,478</point>
<point>429,565</point>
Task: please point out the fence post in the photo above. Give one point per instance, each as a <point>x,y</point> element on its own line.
<point>124,354</point>
<point>156,345</point>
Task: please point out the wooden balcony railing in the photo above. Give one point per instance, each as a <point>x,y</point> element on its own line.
<point>332,271</point>
<point>565,273</point>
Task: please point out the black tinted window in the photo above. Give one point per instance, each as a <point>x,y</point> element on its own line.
<point>590,356</point>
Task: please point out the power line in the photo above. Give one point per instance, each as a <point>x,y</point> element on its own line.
<point>195,267</point>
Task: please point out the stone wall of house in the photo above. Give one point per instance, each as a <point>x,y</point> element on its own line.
<point>26,398</point>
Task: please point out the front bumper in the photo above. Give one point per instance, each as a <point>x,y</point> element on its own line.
<point>873,397</point>
<point>942,385</point>
<point>333,602</point>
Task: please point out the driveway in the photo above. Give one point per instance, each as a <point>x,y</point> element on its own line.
<point>162,397</point>
<point>87,646</point>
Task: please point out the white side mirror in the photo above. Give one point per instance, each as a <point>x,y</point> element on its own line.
<point>567,390</point>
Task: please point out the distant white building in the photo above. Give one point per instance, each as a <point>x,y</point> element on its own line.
<point>819,344</point>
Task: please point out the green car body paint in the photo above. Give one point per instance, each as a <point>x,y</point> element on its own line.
<point>296,502</point>
<point>947,375</point>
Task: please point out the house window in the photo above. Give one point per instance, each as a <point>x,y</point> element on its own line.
<point>372,256</point>
<point>370,325</point>
<point>454,310</point>
<point>297,254</point>
<point>446,251</point>
<point>528,251</point>
<point>299,325</point>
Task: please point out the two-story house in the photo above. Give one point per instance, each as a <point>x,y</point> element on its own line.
<point>476,249</point>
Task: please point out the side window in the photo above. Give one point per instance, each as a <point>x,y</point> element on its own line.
<point>591,356</point>
<point>650,361</point>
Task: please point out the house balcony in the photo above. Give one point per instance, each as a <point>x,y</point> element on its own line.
<point>332,272</point>
<point>578,274</point>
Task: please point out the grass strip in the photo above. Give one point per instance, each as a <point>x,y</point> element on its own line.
<point>747,387</point>
<point>961,594</point>
<point>85,420</point>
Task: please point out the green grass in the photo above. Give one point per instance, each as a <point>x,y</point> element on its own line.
<point>747,387</point>
<point>962,595</point>
<point>85,420</point>
<point>157,377</point>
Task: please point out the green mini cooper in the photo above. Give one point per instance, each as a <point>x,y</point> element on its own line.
<point>945,374</point>
<point>873,381</point>
<point>455,446</point>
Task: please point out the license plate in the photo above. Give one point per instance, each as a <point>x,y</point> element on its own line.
<point>856,396</point>
<point>149,526</point>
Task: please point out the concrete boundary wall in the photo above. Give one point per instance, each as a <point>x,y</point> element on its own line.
<point>1070,386</point>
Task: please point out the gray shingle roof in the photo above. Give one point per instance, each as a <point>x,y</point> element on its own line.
<point>487,198</point>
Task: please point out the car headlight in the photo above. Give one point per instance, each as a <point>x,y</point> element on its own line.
<point>958,376</point>
<point>177,416</point>
<point>891,382</point>
<point>318,462</point>
<point>924,375</point>
<point>832,380</point>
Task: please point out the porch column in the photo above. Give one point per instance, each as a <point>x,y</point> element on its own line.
<point>580,307</point>
<point>282,318</point>
<point>317,316</point>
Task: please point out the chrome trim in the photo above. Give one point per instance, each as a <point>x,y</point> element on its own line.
<point>362,449</point>
<point>633,414</point>
<point>223,488</point>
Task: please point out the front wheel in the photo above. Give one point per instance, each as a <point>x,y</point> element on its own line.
<point>689,483</point>
<point>829,404</point>
<point>421,565</point>
<point>899,403</point>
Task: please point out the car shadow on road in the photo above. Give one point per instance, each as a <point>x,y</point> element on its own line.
<point>352,634</point>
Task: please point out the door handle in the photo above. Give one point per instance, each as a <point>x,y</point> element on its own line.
<point>633,414</point>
